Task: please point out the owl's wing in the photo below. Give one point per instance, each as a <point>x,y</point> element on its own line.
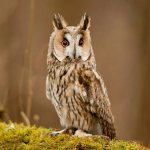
<point>48,93</point>
<point>94,96</point>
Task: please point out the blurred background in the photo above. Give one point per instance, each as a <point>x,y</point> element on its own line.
<point>120,31</point>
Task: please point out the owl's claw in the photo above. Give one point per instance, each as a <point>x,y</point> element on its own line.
<point>54,133</point>
<point>81,133</point>
<point>69,131</point>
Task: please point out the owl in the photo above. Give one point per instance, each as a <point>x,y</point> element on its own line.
<point>73,84</point>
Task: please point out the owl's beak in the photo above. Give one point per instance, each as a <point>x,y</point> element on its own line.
<point>74,53</point>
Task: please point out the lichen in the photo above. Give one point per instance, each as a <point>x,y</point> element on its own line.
<point>18,136</point>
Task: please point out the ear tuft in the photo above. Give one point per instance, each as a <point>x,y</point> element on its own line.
<point>58,22</point>
<point>85,22</point>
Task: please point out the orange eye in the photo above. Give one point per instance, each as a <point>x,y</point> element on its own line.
<point>65,42</point>
<point>81,42</point>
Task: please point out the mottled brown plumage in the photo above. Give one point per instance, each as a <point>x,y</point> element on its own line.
<point>73,85</point>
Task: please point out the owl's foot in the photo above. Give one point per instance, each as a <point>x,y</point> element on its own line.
<point>81,133</point>
<point>69,131</point>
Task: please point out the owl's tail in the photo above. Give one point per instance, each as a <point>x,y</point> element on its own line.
<point>108,129</point>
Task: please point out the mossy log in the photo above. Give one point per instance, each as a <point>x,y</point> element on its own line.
<point>18,136</point>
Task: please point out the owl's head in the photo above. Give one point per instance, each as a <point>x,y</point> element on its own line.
<point>71,41</point>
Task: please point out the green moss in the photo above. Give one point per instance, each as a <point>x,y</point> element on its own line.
<point>122,145</point>
<point>20,137</point>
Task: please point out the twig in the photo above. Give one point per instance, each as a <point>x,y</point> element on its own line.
<point>29,58</point>
<point>25,118</point>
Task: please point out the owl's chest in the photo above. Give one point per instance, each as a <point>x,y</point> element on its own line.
<point>63,83</point>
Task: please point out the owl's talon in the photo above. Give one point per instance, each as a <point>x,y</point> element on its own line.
<point>81,133</point>
<point>54,133</point>
<point>69,131</point>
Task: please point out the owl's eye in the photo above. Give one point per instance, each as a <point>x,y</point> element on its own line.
<point>65,42</point>
<point>81,42</point>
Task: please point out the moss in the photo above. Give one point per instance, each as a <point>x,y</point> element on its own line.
<point>20,137</point>
<point>122,145</point>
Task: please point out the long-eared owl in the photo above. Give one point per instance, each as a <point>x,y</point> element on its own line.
<point>73,84</point>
